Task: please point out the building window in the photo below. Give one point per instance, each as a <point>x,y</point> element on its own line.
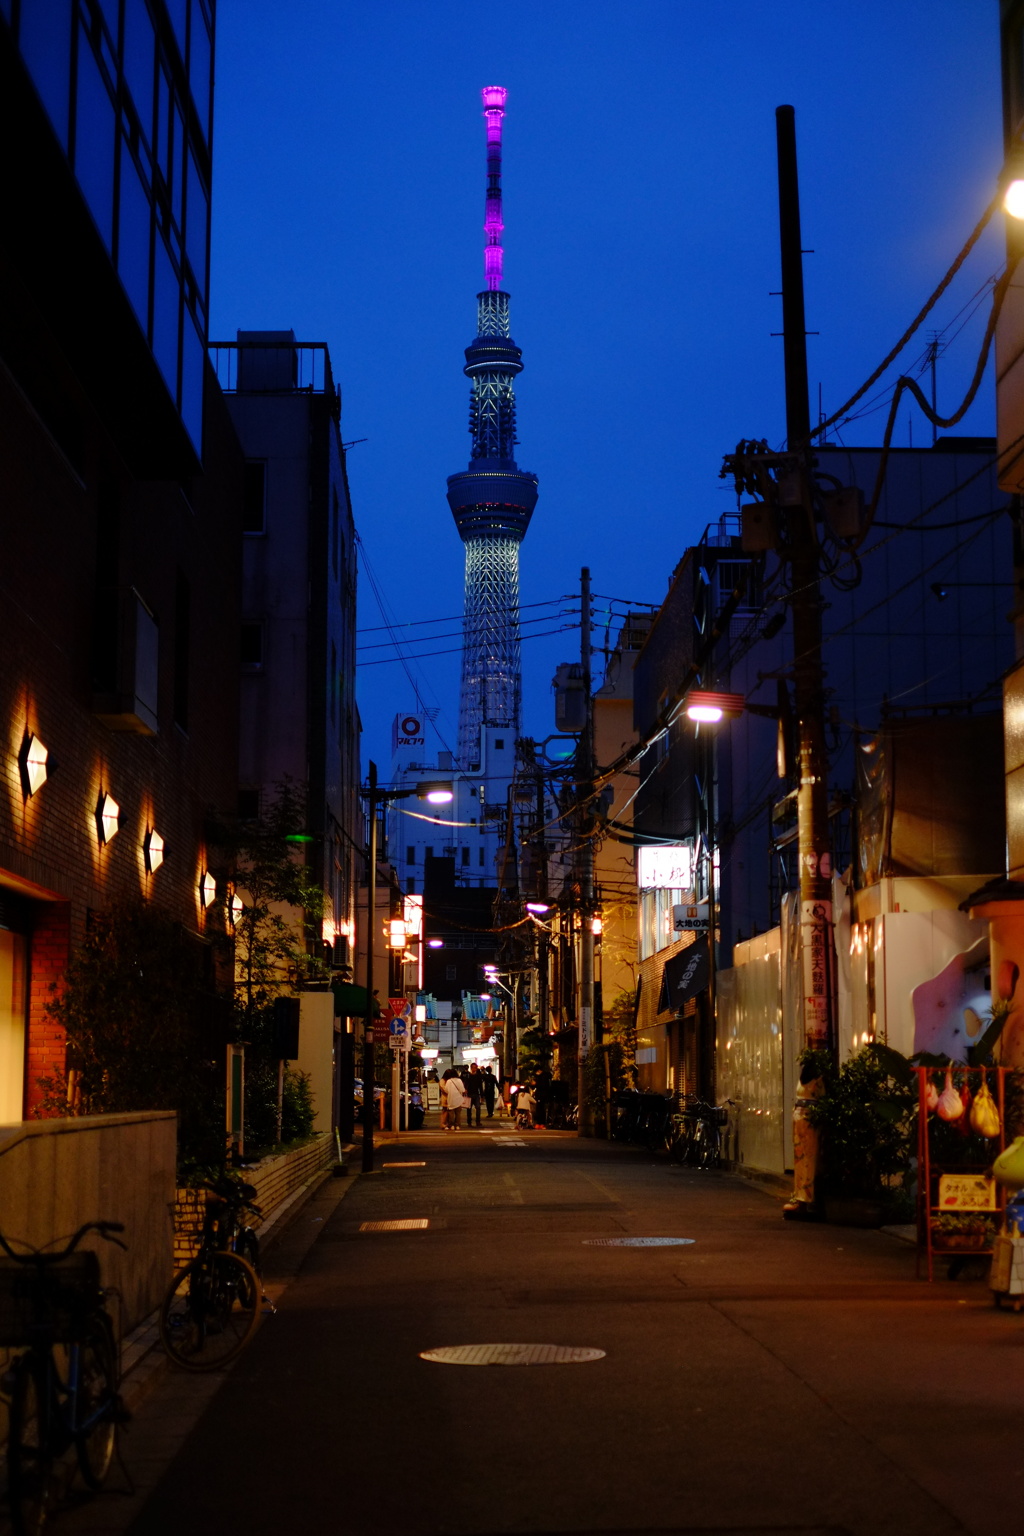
<point>133,238</point>
<point>465,855</point>
<point>334,683</point>
<point>410,886</point>
<point>428,853</point>
<point>449,973</point>
<point>334,531</point>
<point>499,743</point>
<point>95,139</point>
<point>410,856</point>
<point>252,645</point>
<point>254,497</point>
<point>482,858</point>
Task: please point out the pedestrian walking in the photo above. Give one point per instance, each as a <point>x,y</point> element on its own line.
<point>455,1098</point>
<point>474,1084</point>
<point>490,1086</point>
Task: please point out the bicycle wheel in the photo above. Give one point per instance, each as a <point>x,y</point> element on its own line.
<point>30,1463</point>
<point>249,1249</point>
<point>210,1311</point>
<point>98,1405</point>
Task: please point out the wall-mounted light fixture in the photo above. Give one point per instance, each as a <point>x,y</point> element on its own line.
<point>32,763</point>
<point>153,850</point>
<point>207,889</point>
<point>435,943</point>
<point>235,909</point>
<point>108,817</point>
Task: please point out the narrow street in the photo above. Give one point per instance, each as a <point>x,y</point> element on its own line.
<point>762,1378</point>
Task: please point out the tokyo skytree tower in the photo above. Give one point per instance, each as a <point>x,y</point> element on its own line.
<point>493,499</point>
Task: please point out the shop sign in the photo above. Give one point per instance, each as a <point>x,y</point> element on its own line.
<point>967,1192</point>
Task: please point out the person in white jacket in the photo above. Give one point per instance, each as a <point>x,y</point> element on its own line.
<point>454,1098</point>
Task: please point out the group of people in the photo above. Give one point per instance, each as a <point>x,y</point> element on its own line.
<point>467,1089</point>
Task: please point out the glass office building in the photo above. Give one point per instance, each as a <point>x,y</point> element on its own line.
<point>127,86</point>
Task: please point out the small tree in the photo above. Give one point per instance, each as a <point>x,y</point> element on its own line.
<point>145,1028</point>
<point>867,1118</point>
<point>277,939</point>
<point>620,1027</point>
<point>273,951</point>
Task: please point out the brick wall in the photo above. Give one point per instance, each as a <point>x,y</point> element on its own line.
<point>48,958</point>
<point>274,1179</point>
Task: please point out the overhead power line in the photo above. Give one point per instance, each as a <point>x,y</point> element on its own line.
<point>385,661</point>
<point>452,618</point>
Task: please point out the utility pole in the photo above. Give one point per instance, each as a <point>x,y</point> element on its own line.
<point>371,931</point>
<point>585,823</point>
<point>540,930</point>
<point>796,507</point>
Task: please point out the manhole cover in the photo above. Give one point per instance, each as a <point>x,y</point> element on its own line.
<point>411,1224</point>
<point>405,1165</point>
<point>638,1242</point>
<point>511,1354</point>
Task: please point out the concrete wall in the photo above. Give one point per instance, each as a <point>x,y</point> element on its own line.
<point>57,1174</point>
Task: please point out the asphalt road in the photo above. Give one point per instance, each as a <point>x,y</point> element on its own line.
<point>765,1378</point>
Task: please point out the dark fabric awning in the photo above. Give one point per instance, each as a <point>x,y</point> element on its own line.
<point>684,976</point>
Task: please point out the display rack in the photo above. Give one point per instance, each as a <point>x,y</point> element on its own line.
<point>932,1171</point>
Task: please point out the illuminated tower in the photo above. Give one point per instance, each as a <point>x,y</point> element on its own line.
<point>493,499</point>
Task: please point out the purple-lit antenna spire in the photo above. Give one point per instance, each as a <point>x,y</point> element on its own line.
<point>494,97</point>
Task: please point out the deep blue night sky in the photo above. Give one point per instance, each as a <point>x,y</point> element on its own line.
<point>641,248</point>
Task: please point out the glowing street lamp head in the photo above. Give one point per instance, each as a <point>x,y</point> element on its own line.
<point>435,793</point>
<point>708,708</point>
<point>1013,199</point>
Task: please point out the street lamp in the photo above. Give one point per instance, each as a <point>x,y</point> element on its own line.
<point>434,792</point>
<point>1013,198</point>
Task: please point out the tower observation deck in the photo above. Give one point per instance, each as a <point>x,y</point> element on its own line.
<point>492,501</point>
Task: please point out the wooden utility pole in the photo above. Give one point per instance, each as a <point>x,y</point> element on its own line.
<point>796,514</point>
<point>371,933</point>
<point>585,825</point>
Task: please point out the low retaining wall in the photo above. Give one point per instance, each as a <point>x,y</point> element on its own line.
<point>274,1179</point>
<point>56,1175</point>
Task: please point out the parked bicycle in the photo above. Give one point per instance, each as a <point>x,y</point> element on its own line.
<point>695,1133</point>
<point>213,1305</point>
<point>64,1389</point>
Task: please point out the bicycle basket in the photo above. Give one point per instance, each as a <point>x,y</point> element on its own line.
<point>721,1115</point>
<point>56,1299</point>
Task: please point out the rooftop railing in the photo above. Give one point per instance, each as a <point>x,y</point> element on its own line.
<point>274,367</point>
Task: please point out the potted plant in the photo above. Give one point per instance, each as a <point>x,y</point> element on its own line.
<point>866,1121</point>
<point>964,1231</point>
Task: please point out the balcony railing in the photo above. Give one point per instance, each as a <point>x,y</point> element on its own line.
<point>276,367</point>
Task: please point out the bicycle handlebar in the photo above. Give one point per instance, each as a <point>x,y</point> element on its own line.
<point>37,1256</point>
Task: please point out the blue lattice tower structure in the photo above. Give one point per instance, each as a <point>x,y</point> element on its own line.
<point>492,501</point>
